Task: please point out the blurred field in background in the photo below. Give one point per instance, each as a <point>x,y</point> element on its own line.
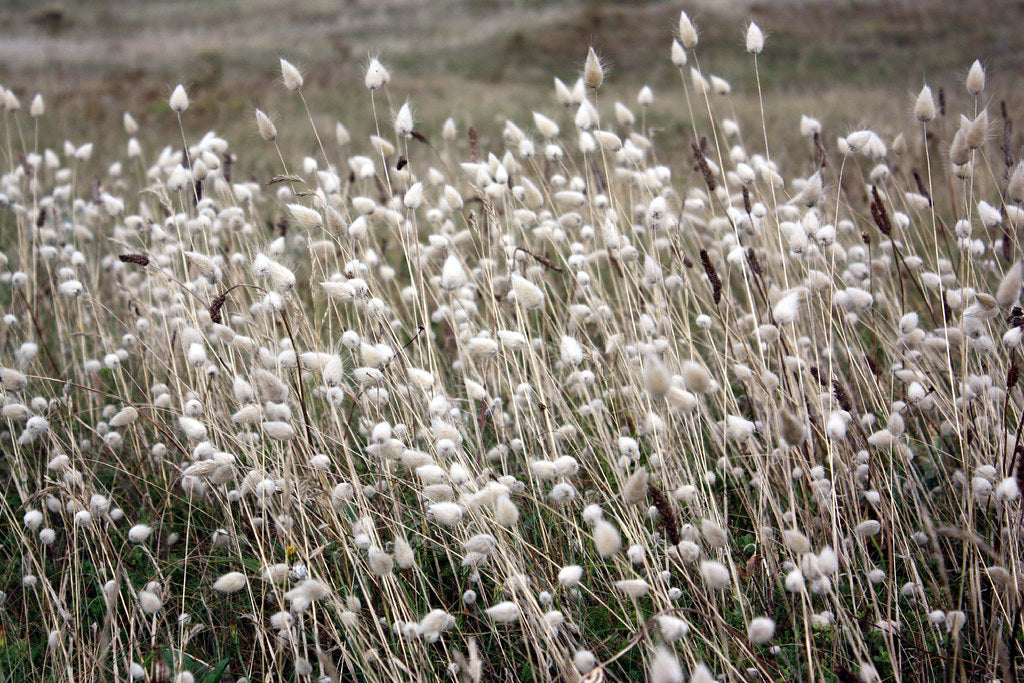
<point>475,58</point>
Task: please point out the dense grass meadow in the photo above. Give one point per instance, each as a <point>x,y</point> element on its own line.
<point>593,368</point>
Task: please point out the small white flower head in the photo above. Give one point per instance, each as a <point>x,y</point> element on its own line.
<point>139,533</point>
<point>715,574</point>
<point>266,127</point>
<point>687,32</point>
<point>975,78</point>
<point>606,538</point>
<point>527,294</point>
<point>634,588</point>
<point>150,602</point>
<point>754,39</point>
<point>672,628</point>
<point>570,575</point>
<point>71,288</point>
<point>37,108</point>
<point>404,122</point>
<point>924,106</point>
<point>664,667</point>
<point>504,612</point>
<point>571,351</point>
<point>453,275</point>
<point>376,75</point>
<point>714,534</point>
<point>585,661</point>
<point>593,71</point>
<point>761,630</point>
<point>678,54</point>
<point>413,196</point>
<point>179,99</point>
<point>290,75</point>
<point>1008,489</point>
<point>33,519</point>
<point>645,97</point>
<point>232,582</point>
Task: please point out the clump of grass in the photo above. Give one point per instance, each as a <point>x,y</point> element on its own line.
<point>433,407</point>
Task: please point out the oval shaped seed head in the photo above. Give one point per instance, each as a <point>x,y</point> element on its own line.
<point>268,131</point>
<point>687,32</point>
<point>701,674</point>
<point>796,541</point>
<point>232,582</point>
<point>179,99</point>
<point>1015,186</point>
<point>504,612</point>
<point>959,150</point>
<point>715,574</point>
<point>1009,287</point>
<point>755,39</point>
<point>527,294</point>
<point>593,72</point>
<point>290,75</point>
<point>606,538</point>
<point>714,534</point>
<point>678,54</point>
<point>760,630</point>
<point>570,576</point>
<point>37,108</point>
<point>787,308</point>
<point>664,667</point>
<point>453,275</point>
<point>924,107</point>
<point>380,562</point>
<point>977,132</point>
<point>635,490</point>
<point>975,78</point>
<point>139,533</point>
<point>403,122</point>
<point>376,75</point>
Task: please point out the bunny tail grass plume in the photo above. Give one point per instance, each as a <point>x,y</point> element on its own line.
<point>1015,186</point>
<point>664,668</point>
<point>606,538</point>
<point>404,122</point>
<point>232,582</point>
<point>701,674</point>
<point>570,576</point>
<point>376,75</point>
<point>715,574</point>
<point>924,107</point>
<point>266,127</point>
<point>179,99</point>
<point>403,555</point>
<point>687,32</point>
<point>504,612</point>
<point>754,39</point>
<point>975,81</point>
<point>761,630</point>
<point>290,75</point>
<point>634,492</point>
<point>593,71</point>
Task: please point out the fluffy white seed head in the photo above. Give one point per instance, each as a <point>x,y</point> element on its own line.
<point>760,630</point>
<point>376,75</point>
<point>290,75</point>
<point>754,39</point>
<point>232,582</point>
<point>179,99</point>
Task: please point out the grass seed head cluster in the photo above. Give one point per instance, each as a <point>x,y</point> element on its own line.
<point>570,402</point>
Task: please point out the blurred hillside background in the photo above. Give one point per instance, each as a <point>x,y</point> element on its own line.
<point>478,59</point>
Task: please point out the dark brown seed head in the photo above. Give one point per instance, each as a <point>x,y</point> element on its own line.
<point>215,306</point>
<point>137,259</point>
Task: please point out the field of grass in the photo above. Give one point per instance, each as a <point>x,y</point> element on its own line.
<point>703,368</point>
